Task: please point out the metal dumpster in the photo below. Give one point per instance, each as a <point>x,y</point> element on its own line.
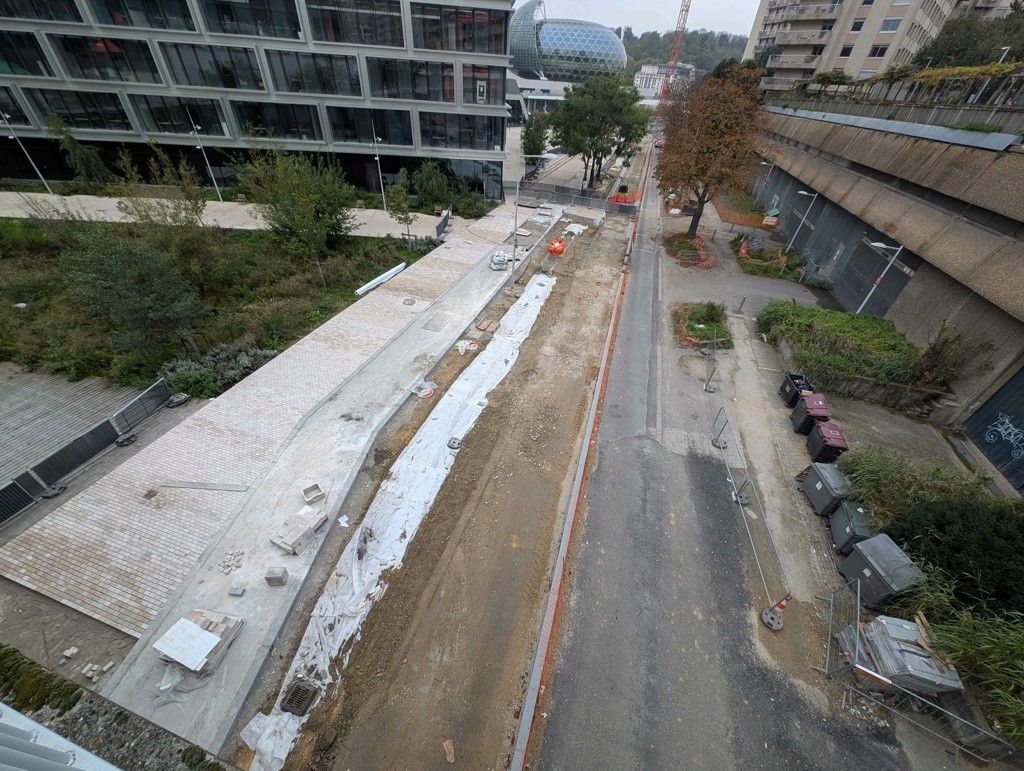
<point>826,442</point>
<point>792,387</point>
<point>849,523</point>
<point>808,409</point>
<point>825,486</point>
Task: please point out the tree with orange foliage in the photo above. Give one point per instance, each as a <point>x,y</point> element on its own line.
<point>712,136</point>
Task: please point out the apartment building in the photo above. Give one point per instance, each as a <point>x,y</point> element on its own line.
<point>651,77</point>
<point>861,37</point>
<point>346,77</point>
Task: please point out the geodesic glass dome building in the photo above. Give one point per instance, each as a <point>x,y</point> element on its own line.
<point>562,49</point>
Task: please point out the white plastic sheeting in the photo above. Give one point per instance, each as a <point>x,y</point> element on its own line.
<point>399,507</point>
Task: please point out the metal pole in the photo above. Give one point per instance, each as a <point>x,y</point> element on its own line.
<point>199,144</point>
<point>35,168</point>
<point>515,232</point>
<point>879,279</point>
<point>376,157</point>
<point>802,220</point>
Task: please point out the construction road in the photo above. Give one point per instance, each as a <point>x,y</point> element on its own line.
<point>662,663</point>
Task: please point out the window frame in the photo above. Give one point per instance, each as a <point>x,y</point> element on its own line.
<point>883,47</point>
<point>884,31</point>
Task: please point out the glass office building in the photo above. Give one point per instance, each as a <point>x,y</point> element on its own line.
<point>562,49</point>
<point>417,79</point>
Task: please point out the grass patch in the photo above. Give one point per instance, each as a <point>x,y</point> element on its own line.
<point>832,345</point>
<point>255,301</point>
<point>680,245</point>
<point>985,128</point>
<point>695,323</point>
<point>28,687</point>
<point>765,262</point>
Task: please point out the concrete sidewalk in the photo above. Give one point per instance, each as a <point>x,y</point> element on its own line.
<point>373,223</point>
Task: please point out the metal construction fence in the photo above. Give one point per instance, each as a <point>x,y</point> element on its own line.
<point>34,483</point>
<point>573,197</point>
<point>847,661</point>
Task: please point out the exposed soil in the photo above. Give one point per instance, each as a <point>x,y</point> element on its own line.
<point>445,653</point>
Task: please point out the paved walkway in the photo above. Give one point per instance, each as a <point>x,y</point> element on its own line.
<point>233,216</point>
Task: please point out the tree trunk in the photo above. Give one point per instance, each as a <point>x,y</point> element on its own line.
<point>320,268</point>
<point>695,220</point>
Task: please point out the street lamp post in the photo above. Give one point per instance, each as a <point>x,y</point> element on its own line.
<point>376,157</point>
<point>7,122</point>
<point>199,146</point>
<point>814,197</point>
<point>515,216</point>
<point>764,182</point>
<point>879,245</point>
<point>1006,50</point>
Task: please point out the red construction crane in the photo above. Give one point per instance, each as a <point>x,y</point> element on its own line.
<point>677,45</point>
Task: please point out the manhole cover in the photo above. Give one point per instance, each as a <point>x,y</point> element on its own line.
<point>299,697</point>
<point>454,443</point>
<point>150,495</point>
<point>408,302</point>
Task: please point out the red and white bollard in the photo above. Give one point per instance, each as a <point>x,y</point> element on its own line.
<point>772,617</point>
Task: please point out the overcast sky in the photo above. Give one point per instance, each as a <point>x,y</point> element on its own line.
<point>644,15</point>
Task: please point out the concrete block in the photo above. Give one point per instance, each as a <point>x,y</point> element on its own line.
<point>108,666</point>
<point>236,591</point>
<point>70,653</point>
<point>277,576</point>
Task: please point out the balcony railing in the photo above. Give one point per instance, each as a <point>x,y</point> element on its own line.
<point>803,37</point>
<point>803,12</point>
<point>781,84</point>
<point>783,61</point>
<point>772,4</point>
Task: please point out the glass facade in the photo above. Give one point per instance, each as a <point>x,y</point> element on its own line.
<point>51,10</point>
<point>279,121</point>
<point>82,109</point>
<point>100,58</point>
<point>483,85</point>
<point>446,28</point>
<point>213,66</point>
<point>262,18</point>
<point>562,49</point>
<point>10,107</point>
<point>404,79</point>
<point>314,73</point>
<point>461,132</point>
<point>363,22</point>
<point>20,55</point>
<point>171,115</point>
<point>358,124</point>
<point>157,14</point>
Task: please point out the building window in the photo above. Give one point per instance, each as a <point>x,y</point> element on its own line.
<point>49,10</point>
<point>998,13</point>
<point>858,25</point>
<point>827,26</point>
<point>358,124</point>
<point>104,58</point>
<point>363,22</point>
<point>809,73</point>
<point>483,85</point>
<point>443,28</point>
<point>10,107</point>
<point>817,50</point>
<point>877,52</point>
<point>213,66</point>
<point>314,73</point>
<point>279,121</point>
<point>403,79</point>
<point>864,74</point>
<point>20,55</point>
<point>868,2</point>
<point>461,132</point>
<point>82,109</point>
<point>890,25</point>
<point>176,115</point>
<point>845,51</point>
<point>265,18</point>
<point>157,14</point>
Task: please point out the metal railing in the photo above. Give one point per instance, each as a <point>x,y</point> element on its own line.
<point>782,60</point>
<point>807,37</point>
<point>847,662</point>
<point>797,12</point>
<point>141,407</point>
<point>781,83</point>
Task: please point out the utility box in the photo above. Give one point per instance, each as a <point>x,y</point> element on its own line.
<point>809,409</point>
<point>849,523</point>
<point>883,569</point>
<point>826,442</point>
<point>825,487</point>
<point>793,386</point>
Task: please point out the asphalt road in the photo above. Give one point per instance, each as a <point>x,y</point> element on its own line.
<point>658,667</point>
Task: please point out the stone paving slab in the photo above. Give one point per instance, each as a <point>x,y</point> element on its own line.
<point>118,556</point>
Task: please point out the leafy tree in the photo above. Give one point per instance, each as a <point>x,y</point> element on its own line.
<point>397,197</point>
<point>183,202</point>
<point>84,160</point>
<point>535,133</point>
<point>763,54</point>
<point>702,48</point>
<point>597,116</point>
<point>835,78</point>
<point>711,137</point>
<point>431,184</point>
<point>305,202</point>
<point>134,289</point>
<point>970,40</point>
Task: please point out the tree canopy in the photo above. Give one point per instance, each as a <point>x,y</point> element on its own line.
<point>970,40</point>
<point>702,48</point>
<point>598,117</point>
<point>711,137</point>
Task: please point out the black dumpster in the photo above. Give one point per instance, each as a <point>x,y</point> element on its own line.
<point>793,386</point>
<point>825,486</point>
<point>883,569</point>
<point>809,409</point>
<point>849,525</point>
<point>826,442</point>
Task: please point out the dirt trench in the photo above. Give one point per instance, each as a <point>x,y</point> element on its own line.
<point>444,654</point>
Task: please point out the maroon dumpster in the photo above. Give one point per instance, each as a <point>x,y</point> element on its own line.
<point>826,442</point>
<point>809,408</point>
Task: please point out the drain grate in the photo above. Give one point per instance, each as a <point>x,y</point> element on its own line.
<point>299,697</point>
<point>150,495</point>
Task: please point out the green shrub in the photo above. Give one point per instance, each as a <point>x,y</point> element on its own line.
<point>708,313</point>
<point>216,371</point>
<point>28,687</point>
